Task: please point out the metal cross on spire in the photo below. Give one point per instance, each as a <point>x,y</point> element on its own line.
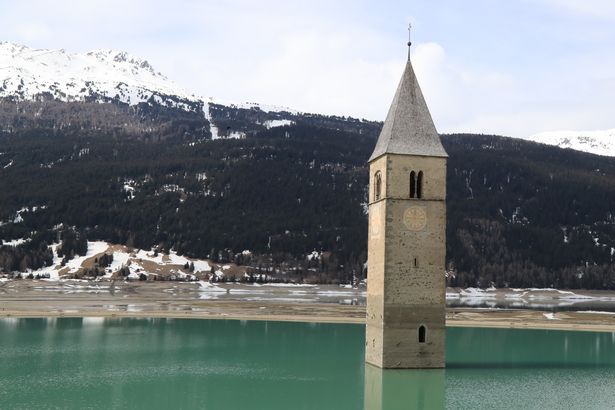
<point>409,34</point>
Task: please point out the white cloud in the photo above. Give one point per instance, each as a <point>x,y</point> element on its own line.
<point>344,58</point>
<point>324,72</point>
<point>466,98</point>
<point>600,9</point>
<point>458,96</point>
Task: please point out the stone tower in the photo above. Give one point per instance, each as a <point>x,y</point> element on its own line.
<point>406,240</point>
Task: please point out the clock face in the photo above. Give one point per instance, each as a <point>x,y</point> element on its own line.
<point>415,218</point>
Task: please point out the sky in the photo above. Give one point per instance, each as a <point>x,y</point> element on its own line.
<point>487,66</point>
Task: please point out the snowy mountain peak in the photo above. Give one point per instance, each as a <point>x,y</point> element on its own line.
<point>26,73</point>
<point>115,58</point>
<point>600,142</point>
<point>100,75</point>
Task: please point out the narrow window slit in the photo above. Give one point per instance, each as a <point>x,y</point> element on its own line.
<point>412,184</point>
<point>422,334</point>
<point>377,185</point>
<point>419,185</point>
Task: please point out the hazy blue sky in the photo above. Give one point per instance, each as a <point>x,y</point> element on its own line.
<point>512,67</point>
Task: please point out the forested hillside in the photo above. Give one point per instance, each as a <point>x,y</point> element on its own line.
<point>519,213</point>
<point>526,214</point>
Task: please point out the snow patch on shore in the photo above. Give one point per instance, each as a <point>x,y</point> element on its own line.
<point>597,312</point>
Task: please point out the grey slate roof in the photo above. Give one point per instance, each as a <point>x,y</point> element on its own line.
<point>408,128</point>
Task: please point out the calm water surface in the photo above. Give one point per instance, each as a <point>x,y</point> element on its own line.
<point>214,364</point>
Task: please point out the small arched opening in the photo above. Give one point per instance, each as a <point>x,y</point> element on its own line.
<point>377,185</point>
<point>412,184</point>
<point>422,334</point>
<point>419,185</point>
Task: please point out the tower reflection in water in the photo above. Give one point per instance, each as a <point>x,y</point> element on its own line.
<point>403,389</point>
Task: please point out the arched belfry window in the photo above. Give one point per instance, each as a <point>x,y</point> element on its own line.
<point>377,185</point>
<point>422,334</point>
<point>413,184</point>
<point>419,185</point>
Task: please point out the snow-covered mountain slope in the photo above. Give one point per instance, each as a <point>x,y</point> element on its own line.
<point>601,142</point>
<point>60,92</point>
<point>26,73</point>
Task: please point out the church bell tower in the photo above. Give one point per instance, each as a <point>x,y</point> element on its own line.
<point>406,239</point>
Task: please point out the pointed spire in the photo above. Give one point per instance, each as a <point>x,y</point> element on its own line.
<point>408,128</point>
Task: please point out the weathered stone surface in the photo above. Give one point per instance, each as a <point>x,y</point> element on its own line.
<point>406,241</point>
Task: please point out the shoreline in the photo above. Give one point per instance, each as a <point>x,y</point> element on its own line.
<point>531,319</point>
<point>537,308</point>
<point>467,317</point>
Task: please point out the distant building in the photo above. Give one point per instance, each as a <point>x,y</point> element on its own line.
<point>406,240</point>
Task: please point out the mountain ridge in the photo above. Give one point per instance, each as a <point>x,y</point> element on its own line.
<point>110,76</point>
<point>107,73</point>
<point>599,142</point>
<point>115,92</point>
<point>26,73</point>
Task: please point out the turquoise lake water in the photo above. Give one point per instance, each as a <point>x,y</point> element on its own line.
<point>95,363</point>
